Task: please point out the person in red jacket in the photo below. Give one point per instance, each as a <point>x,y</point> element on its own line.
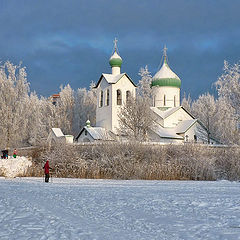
<point>46,171</point>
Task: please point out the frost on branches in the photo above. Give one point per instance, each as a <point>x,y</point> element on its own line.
<point>144,86</point>
<point>228,87</point>
<point>26,119</point>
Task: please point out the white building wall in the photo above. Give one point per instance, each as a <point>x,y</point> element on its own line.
<point>104,113</point>
<point>107,116</point>
<point>170,93</point>
<point>189,134</point>
<point>124,84</point>
<point>175,118</point>
<point>85,137</point>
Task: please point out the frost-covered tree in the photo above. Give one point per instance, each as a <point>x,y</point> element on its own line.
<point>204,109</point>
<point>135,119</point>
<point>226,121</point>
<point>187,102</point>
<point>85,107</point>
<point>228,86</point>
<point>14,104</point>
<point>64,109</point>
<point>144,86</point>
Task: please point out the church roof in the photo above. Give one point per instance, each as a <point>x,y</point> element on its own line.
<point>97,133</point>
<point>183,126</point>
<point>165,76</point>
<point>165,72</point>
<point>115,60</point>
<point>165,132</point>
<point>112,79</point>
<point>166,113</point>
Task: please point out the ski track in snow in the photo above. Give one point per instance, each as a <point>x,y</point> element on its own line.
<point>113,209</point>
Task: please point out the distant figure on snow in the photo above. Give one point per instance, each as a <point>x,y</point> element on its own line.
<point>15,153</point>
<point>46,171</point>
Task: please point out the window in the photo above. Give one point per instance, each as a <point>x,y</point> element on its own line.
<point>107,98</point>
<point>128,95</point>
<point>119,97</point>
<point>85,132</point>
<point>164,100</point>
<point>101,99</point>
<point>154,99</point>
<point>174,101</point>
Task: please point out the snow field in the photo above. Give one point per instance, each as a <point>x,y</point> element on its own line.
<point>110,209</point>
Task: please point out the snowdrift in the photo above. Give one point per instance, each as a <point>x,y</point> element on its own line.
<point>13,167</point>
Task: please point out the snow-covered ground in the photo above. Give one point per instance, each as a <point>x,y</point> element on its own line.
<point>109,209</point>
<point>13,167</point>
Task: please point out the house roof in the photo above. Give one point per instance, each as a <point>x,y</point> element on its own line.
<point>57,132</point>
<point>165,132</point>
<point>97,133</point>
<point>183,126</point>
<point>166,113</point>
<point>112,79</point>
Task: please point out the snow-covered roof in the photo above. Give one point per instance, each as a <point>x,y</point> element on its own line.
<point>165,72</point>
<point>165,132</point>
<point>112,79</point>
<point>57,132</point>
<point>115,55</point>
<point>98,133</point>
<point>164,114</point>
<point>183,126</point>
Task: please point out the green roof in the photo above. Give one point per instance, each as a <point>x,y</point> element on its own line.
<point>115,62</point>
<point>166,82</point>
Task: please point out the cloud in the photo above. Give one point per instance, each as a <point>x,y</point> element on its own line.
<point>71,41</point>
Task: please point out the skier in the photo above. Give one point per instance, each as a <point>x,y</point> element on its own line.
<point>15,153</point>
<point>46,171</point>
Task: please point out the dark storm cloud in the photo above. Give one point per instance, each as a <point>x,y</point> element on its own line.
<point>71,41</point>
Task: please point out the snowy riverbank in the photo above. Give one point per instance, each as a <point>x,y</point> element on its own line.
<point>13,167</point>
<point>110,209</point>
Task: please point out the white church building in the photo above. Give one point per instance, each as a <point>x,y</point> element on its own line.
<point>172,123</point>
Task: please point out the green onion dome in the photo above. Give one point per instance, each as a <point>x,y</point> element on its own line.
<point>115,60</point>
<point>165,77</point>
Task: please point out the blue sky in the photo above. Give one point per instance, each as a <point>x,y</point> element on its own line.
<point>70,41</point>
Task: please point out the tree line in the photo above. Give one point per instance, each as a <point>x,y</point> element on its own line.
<point>26,118</point>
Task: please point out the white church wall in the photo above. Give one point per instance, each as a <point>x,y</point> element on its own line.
<point>124,84</point>
<point>104,112</point>
<point>190,133</point>
<point>170,93</point>
<point>176,117</point>
<point>85,137</point>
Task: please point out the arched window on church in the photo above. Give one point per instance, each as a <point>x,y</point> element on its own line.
<point>107,97</point>
<point>164,100</point>
<point>128,96</point>
<point>101,99</point>
<point>119,97</point>
<point>174,101</point>
<point>154,98</point>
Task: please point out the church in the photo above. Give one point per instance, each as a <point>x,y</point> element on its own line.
<point>172,123</point>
